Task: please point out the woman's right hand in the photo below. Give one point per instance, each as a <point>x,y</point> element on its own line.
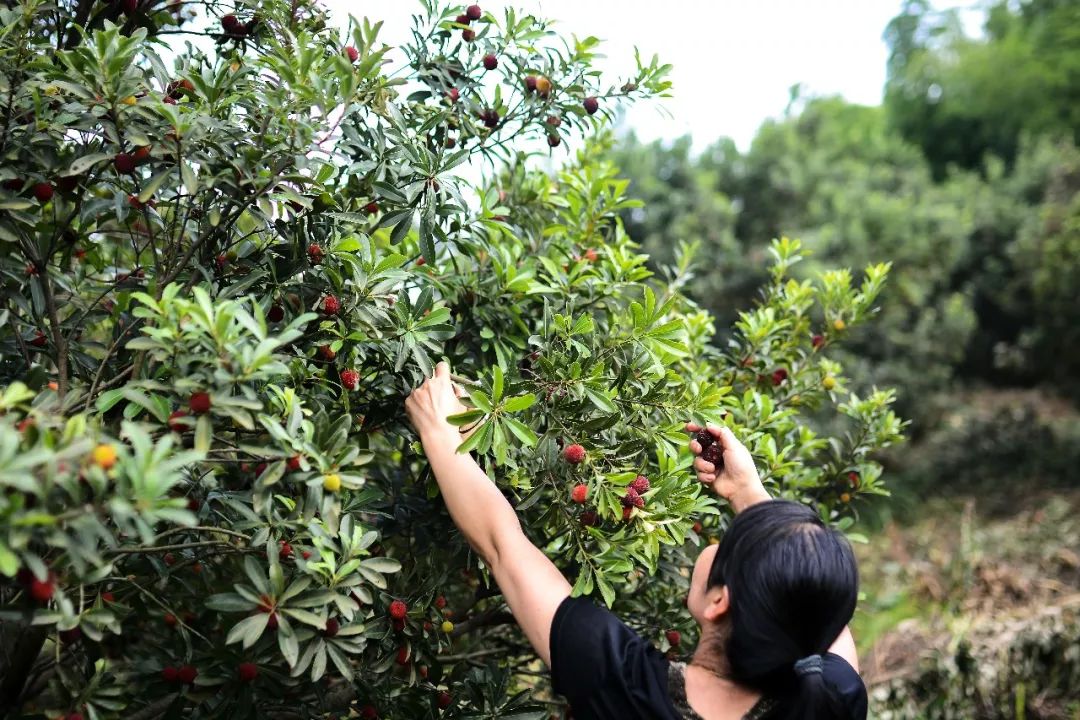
<point>736,480</point>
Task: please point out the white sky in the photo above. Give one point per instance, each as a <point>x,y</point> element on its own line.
<point>734,60</point>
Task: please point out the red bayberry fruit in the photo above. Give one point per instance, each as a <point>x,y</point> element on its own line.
<point>368,712</point>
<point>39,339</point>
<point>443,700</point>
<point>627,513</point>
<point>453,95</point>
<point>589,519</point>
<point>817,341</point>
<point>574,454</point>
<point>428,627</point>
<point>315,253</point>
<point>199,403</point>
<point>591,105</point>
<point>187,674</point>
<point>141,154</point>
<point>398,610</point>
<point>247,671</point>
<point>462,20</point>
<point>331,305</point>
<point>306,554</point>
<point>169,559</point>
<point>272,621</point>
<point>332,627</point>
<point>714,454</point>
<point>350,379</point>
<point>43,191</point>
<point>853,478</point>
<point>554,140</point>
<point>169,100</point>
<point>468,35</point>
<point>276,313</point>
<point>170,619</point>
<point>14,184</point>
<point>231,24</point>
<point>440,602</point>
<point>285,551</point>
<point>403,656</point>
<point>530,83</point>
<point>580,493</point>
<point>173,424</point>
<point>131,7</point>
<point>371,208</point>
<point>640,485</point>
<point>632,499</point>
<point>697,528</point>
<point>490,118</point>
<point>473,12</point>
<point>704,438</point>
<point>553,121</point>
<point>590,255</point>
<point>779,375</point>
<point>422,671</point>
<point>108,597</point>
<point>399,625</point>
<point>327,353</point>
<point>293,463</point>
<point>351,53</point>
<point>42,590</point>
<point>124,163</point>
<point>673,637</point>
<point>169,673</point>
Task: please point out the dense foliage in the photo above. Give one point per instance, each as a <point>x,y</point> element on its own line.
<point>224,269</point>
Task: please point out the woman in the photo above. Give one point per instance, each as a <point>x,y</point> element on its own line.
<point>773,599</point>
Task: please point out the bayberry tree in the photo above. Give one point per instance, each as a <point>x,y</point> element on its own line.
<point>226,264</point>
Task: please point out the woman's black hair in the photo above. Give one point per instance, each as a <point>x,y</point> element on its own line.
<point>792,584</point>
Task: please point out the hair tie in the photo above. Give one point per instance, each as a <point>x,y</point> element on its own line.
<point>807,665</point>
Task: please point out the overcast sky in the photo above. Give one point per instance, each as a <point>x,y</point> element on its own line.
<point>734,60</point>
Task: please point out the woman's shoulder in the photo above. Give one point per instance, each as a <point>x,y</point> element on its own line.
<point>677,694</point>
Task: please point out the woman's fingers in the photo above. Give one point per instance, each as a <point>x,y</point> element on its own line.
<point>706,478</point>
<point>704,466</point>
<point>692,427</point>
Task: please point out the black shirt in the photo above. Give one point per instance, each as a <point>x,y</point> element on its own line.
<point>608,672</point>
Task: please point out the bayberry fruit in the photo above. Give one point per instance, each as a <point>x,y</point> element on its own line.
<point>124,163</point>
<point>332,627</point>
<point>170,619</point>
<point>187,674</point>
<point>554,140</point>
<point>169,559</point>
<point>468,35</point>
<point>403,656</point>
<point>42,590</point>
<point>632,499</point>
<point>331,305</point>
<point>293,463</point>
<point>43,191</point>
<point>490,61</point>
<point>704,438</point>
<point>173,418</point>
<point>368,712</point>
<point>285,551</point>
<point>39,339</point>
<point>231,24</point>
<point>589,519</point>
<point>473,12</point>
<point>574,454</point>
<point>673,638</point>
<point>440,602</point>
<point>315,253</point>
<point>275,314</point>
<point>817,341</point>
<point>327,353</point>
<point>350,379</point>
<point>640,485</point>
<point>199,403</point>
<point>580,493</point>
<point>169,673</point>
<point>104,456</point>
<point>462,20</point>
<point>591,105</point>
<point>714,454</point>
<point>543,86</point>
<point>371,208</point>
<point>331,482</point>
<point>443,700</point>
<point>398,610</point>
<point>247,671</point>
<point>530,83</point>
<point>779,376</point>
<point>351,53</point>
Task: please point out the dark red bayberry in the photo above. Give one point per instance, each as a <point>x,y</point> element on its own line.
<point>170,619</point>
<point>398,610</point>
<point>714,454</point>
<point>169,674</point>
<point>453,95</point>
<point>371,208</point>
<point>440,602</point>
<point>285,551</point>
<point>107,597</point>
<point>580,493</point>
<point>231,24</point>
<point>332,627</point>
<point>574,454</point>
<point>632,499</point>
<point>199,403</point>
<point>39,339</point>
<point>589,519</point>
<point>779,375</point>
<point>331,305</point>
<point>43,191</point>
<point>169,559</point>
<point>187,674</point>
<point>462,20</point>
<point>554,140</point>
<point>402,656</point>
<point>473,12</point>
<point>42,590</point>
<point>704,438</point>
<point>490,61</point>
<point>276,313</point>
<point>124,163</point>
<point>247,671</point>
<point>368,712</point>
<point>530,83</point>
<point>640,485</point>
<point>443,700</point>
<point>468,35</point>
<point>350,379</point>
<point>351,53</point>
<point>817,341</point>
<point>327,353</point>
<point>490,118</point>
<point>293,463</point>
<point>673,638</point>
<point>591,105</point>
<point>315,253</point>
<point>177,426</point>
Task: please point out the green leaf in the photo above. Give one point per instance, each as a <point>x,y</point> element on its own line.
<point>519,403</point>
<point>248,630</point>
<point>521,431</point>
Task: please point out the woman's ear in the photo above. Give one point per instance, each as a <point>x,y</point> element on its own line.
<point>717,603</point>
